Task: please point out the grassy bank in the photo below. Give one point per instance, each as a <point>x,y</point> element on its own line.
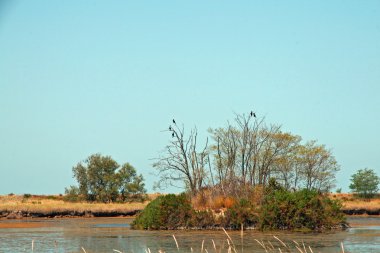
<point>351,202</point>
<point>56,204</point>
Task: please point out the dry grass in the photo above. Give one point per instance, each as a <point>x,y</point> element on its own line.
<point>206,199</point>
<point>49,204</point>
<point>351,202</point>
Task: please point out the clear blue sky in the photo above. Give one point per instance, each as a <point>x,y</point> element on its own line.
<point>82,77</point>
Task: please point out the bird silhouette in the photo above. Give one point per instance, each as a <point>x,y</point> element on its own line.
<point>172,134</point>
<point>253,114</point>
<point>173,121</point>
<point>170,128</point>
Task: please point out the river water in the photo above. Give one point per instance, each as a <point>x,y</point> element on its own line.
<point>114,235</point>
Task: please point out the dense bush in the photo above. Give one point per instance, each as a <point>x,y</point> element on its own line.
<point>72,194</point>
<point>202,220</point>
<point>300,210</point>
<point>305,210</point>
<point>241,213</point>
<point>27,196</point>
<point>166,212</point>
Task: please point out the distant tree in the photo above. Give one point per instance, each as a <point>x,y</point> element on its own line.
<point>72,194</point>
<point>131,185</point>
<point>365,183</point>
<point>100,178</point>
<point>96,178</point>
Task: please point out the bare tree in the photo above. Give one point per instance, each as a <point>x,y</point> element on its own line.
<point>243,155</point>
<point>181,162</point>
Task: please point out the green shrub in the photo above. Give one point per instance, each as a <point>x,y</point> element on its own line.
<point>72,194</point>
<point>241,213</point>
<point>27,195</point>
<point>165,212</point>
<point>52,197</point>
<point>301,210</point>
<point>202,219</point>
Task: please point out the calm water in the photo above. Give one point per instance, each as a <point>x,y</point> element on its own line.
<point>107,234</point>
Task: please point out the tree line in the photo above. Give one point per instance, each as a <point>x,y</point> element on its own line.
<point>242,155</point>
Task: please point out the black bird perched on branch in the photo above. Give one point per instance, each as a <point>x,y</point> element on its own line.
<point>170,128</point>
<point>253,114</point>
<point>173,135</point>
<point>173,121</point>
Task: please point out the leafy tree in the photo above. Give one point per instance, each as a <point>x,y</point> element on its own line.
<point>72,194</point>
<point>249,153</point>
<point>365,183</point>
<point>318,167</point>
<point>130,184</point>
<point>100,178</point>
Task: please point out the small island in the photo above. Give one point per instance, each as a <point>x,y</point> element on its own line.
<point>252,176</point>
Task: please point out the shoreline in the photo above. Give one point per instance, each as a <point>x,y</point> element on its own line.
<point>41,206</point>
<point>9,215</point>
<point>361,212</point>
<point>19,214</point>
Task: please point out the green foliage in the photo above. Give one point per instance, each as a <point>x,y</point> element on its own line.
<point>165,212</point>
<point>52,197</point>
<point>304,210</point>
<point>72,194</point>
<point>365,183</point>
<point>27,195</point>
<point>300,210</point>
<point>131,185</point>
<point>100,178</point>
<point>241,213</point>
<point>202,219</point>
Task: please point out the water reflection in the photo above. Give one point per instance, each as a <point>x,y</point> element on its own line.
<point>106,234</point>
